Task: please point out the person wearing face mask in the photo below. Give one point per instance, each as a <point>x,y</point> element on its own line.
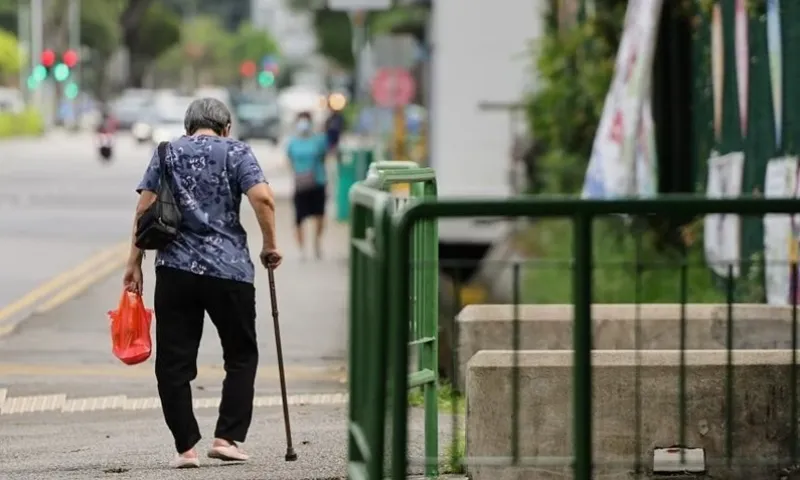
<point>306,151</point>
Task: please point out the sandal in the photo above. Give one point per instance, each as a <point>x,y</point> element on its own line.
<point>228,453</point>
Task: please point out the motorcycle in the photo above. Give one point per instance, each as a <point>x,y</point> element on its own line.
<point>105,143</point>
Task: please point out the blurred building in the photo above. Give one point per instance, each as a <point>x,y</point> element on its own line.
<point>294,31</point>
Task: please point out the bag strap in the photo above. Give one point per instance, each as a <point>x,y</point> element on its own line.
<point>162,163</point>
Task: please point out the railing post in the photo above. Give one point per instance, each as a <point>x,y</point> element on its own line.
<point>357,227</point>
<point>582,345</point>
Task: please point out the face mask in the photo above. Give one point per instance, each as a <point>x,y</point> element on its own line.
<point>303,126</point>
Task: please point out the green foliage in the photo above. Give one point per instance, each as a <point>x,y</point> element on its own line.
<point>159,31</point>
<point>406,19</point>
<point>617,279</point>
<point>10,59</point>
<point>334,31</point>
<point>100,30</point>
<point>213,53</point>
<point>27,123</point>
<point>250,43</point>
<point>575,66</point>
<point>334,37</point>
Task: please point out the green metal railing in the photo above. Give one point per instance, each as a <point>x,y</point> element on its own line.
<point>582,214</point>
<point>733,421</point>
<point>369,242</point>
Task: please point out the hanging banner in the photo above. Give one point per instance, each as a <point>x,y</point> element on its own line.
<point>775,66</point>
<point>779,239</point>
<point>623,163</point>
<point>717,67</point>
<point>742,63</point>
<point>722,232</point>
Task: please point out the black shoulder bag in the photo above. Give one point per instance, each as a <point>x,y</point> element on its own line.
<point>158,225</point>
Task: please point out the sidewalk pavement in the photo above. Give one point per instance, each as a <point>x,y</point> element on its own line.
<point>69,410</point>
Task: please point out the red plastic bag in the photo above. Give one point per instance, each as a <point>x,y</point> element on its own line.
<point>130,329</point>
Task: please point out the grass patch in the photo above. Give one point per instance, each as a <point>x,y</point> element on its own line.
<point>449,400</point>
<point>455,453</point>
<point>628,267</point>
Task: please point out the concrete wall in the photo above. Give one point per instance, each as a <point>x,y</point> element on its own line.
<point>761,409</point>
<point>549,327</point>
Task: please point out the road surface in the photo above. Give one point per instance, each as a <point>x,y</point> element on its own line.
<point>69,410</point>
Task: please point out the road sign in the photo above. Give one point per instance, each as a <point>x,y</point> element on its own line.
<point>350,5</point>
<point>393,87</point>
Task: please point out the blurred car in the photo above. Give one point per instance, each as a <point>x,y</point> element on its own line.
<point>258,120</point>
<point>142,130</point>
<point>131,106</point>
<point>167,123</point>
<point>11,100</point>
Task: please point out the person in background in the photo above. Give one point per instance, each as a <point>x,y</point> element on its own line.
<point>108,124</point>
<point>306,151</point>
<point>207,269</point>
<point>334,126</point>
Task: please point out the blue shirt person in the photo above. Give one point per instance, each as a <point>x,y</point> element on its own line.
<point>306,151</point>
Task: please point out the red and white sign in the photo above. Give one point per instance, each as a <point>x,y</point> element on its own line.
<point>393,87</point>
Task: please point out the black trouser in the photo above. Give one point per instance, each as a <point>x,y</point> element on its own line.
<point>181,300</point>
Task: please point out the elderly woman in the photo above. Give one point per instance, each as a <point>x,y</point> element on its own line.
<point>206,269</point>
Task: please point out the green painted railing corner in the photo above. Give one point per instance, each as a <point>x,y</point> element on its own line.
<point>376,347</point>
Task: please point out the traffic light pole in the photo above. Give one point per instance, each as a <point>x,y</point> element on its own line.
<point>37,44</point>
<point>75,45</point>
<point>24,35</point>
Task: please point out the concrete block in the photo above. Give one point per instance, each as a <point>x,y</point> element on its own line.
<point>631,389</point>
<point>549,327</point>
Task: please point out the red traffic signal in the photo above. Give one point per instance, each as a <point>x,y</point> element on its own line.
<point>247,69</point>
<point>70,58</point>
<point>48,58</point>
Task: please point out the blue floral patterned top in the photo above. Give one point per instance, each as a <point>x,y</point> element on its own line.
<point>208,175</point>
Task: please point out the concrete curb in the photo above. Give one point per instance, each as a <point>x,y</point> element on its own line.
<point>63,287</point>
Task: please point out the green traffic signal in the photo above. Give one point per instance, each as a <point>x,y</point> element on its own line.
<point>266,79</point>
<point>61,72</point>
<point>39,73</point>
<point>71,90</point>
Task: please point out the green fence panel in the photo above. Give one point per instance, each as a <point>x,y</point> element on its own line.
<point>368,340</point>
<point>728,462</point>
<point>422,322</point>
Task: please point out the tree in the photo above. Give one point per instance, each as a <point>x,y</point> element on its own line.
<point>157,30</point>
<point>334,31</point>
<point>250,43</point>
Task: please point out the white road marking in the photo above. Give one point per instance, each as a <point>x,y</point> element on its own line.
<point>60,404</point>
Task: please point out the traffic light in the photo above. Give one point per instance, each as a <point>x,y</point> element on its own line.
<point>39,73</point>
<point>71,90</point>
<point>70,58</point>
<point>48,58</point>
<point>61,72</point>
<point>247,69</point>
<point>266,79</point>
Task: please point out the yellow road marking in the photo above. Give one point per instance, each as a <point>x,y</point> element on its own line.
<point>58,282</point>
<point>87,280</point>
<point>265,372</point>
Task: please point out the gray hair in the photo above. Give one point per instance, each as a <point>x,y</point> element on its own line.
<point>207,113</point>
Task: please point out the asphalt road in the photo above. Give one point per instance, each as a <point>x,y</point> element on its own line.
<point>59,204</point>
<point>70,410</point>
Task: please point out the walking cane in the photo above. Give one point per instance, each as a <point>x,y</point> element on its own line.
<point>291,456</point>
